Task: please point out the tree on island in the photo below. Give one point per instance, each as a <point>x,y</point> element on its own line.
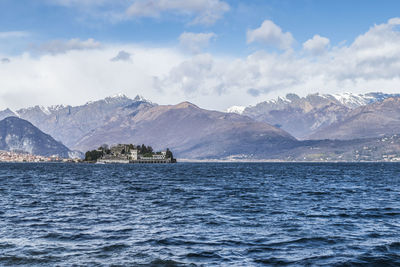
<point>169,154</point>
<point>93,155</point>
<point>145,149</point>
<point>105,148</point>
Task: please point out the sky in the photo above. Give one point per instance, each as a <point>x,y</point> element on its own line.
<point>213,53</point>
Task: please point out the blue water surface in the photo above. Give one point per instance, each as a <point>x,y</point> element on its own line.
<point>200,214</point>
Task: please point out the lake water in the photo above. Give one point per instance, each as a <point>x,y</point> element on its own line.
<point>203,214</point>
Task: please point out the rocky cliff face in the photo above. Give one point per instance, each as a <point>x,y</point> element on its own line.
<point>21,136</point>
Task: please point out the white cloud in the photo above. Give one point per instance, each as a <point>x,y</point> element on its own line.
<point>13,34</point>
<point>60,46</point>
<point>370,63</point>
<point>83,75</point>
<point>204,11</point>
<point>195,42</point>
<point>317,45</point>
<point>394,21</point>
<point>270,34</point>
<point>190,77</point>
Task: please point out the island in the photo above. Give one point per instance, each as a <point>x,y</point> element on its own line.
<point>128,153</point>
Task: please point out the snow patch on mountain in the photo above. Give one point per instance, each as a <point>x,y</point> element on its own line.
<point>347,99</point>
<point>236,109</point>
<point>45,110</point>
<point>351,100</point>
<point>140,98</point>
<point>54,108</point>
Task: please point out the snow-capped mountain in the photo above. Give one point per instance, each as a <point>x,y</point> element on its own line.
<point>69,123</point>
<point>347,99</point>
<point>378,119</point>
<point>302,116</point>
<point>357,100</point>
<point>188,130</point>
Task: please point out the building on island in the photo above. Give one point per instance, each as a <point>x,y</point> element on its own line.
<point>123,153</point>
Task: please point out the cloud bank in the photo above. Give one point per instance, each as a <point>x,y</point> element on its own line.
<point>195,42</point>
<point>61,46</point>
<point>203,12</point>
<point>13,34</point>
<point>78,71</point>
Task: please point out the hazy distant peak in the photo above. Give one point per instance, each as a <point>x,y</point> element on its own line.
<point>48,110</point>
<point>123,98</point>
<point>140,98</point>
<point>56,107</point>
<point>292,97</point>
<point>186,104</point>
<point>347,99</point>
<point>350,100</point>
<point>118,96</point>
<point>390,101</point>
<point>45,110</point>
<point>37,108</point>
<point>7,113</point>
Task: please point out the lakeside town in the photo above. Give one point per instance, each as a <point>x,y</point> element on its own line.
<point>9,156</point>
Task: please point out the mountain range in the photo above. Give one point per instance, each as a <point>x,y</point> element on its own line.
<point>311,116</point>
<point>288,128</point>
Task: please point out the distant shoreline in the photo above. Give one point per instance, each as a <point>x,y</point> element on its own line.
<point>272,161</point>
<point>198,161</point>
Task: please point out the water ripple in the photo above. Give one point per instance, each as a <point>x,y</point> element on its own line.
<point>200,214</point>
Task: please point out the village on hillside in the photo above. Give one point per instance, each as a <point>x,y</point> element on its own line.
<point>128,153</point>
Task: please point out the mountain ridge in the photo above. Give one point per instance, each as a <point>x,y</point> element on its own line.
<point>274,128</point>
<point>375,120</point>
<point>188,130</point>
<point>69,123</point>
<point>303,116</point>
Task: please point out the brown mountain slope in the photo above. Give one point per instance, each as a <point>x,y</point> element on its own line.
<point>374,120</point>
<point>191,132</point>
<point>69,124</point>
